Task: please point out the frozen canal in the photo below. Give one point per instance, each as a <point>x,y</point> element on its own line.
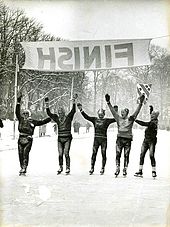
<point>44,199</point>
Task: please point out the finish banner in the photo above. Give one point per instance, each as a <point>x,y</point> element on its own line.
<point>85,55</point>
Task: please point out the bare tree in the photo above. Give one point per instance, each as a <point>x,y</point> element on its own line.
<point>15,27</point>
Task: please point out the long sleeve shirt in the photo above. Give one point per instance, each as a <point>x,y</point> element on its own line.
<point>64,126</point>
<point>125,124</point>
<point>100,125</point>
<point>27,126</point>
<point>151,130</point>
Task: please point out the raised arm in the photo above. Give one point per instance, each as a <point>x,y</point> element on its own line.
<point>141,99</point>
<point>51,115</point>
<point>144,123</point>
<point>73,110</point>
<point>87,117</point>
<point>18,108</point>
<point>114,113</point>
<point>150,109</point>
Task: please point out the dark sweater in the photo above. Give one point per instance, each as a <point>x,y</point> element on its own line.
<point>100,125</point>
<point>64,127</point>
<point>27,126</point>
<point>151,130</point>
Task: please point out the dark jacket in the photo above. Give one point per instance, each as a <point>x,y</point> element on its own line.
<point>100,125</point>
<point>64,127</point>
<point>151,130</point>
<point>27,126</point>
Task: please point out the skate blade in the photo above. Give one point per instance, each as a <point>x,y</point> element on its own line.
<point>22,174</point>
<point>138,176</point>
<point>67,173</point>
<point>116,175</point>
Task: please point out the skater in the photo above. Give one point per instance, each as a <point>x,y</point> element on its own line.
<point>124,136</point>
<point>64,132</point>
<point>1,124</point>
<point>149,142</point>
<point>100,137</point>
<point>55,128</point>
<point>76,126</point>
<point>88,125</point>
<point>26,128</point>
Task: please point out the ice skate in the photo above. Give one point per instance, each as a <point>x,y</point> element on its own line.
<point>22,172</point>
<point>138,174</point>
<point>124,172</point>
<point>102,171</point>
<point>91,171</point>
<point>67,171</point>
<point>154,174</point>
<point>60,170</point>
<point>117,172</point>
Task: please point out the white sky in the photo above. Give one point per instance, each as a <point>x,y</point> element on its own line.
<point>97,19</point>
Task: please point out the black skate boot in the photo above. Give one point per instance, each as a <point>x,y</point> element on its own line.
<point>139,174</point>
<point>60,170</point>
<point>102,171</point>
<point>67,170</point>
<point>124,172</point>
<point>154,174</point>
<point>22,172</point>
<point>91,171</point>
<point>117,171</point>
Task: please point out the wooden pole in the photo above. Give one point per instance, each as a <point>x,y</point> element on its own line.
<point>72,90</point>
<point>15,94</point>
